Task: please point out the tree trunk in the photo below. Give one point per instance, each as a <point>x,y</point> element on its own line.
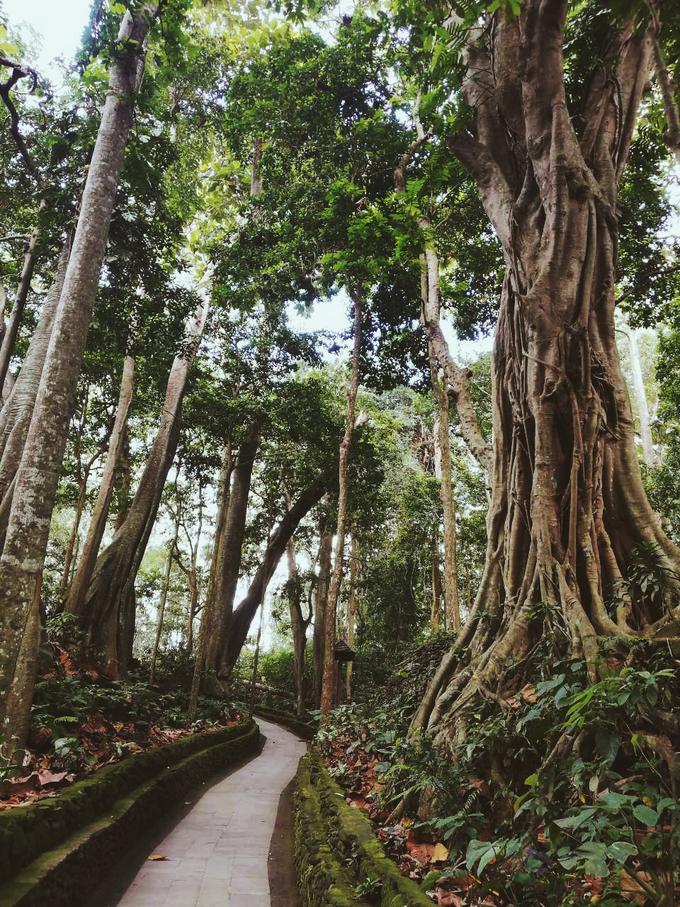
<point>443,472</point>
<point>321,597</point>
<point>73,535</point>
<point>328,684</point>
<point>165,587</point>
<point>567,508</point>
<point>11,332</point>
<point>23,553</point>
<point>95,532</point>
<point>640,397</point>
<point>193,574</point>
<point>244,613</point>
<point>228,548</point>
<point>207,626</point>
<point>436,609</point>
<point>107,608</point>
<point>15,416</point>
<point>298,624</point>
<point>352,609</point>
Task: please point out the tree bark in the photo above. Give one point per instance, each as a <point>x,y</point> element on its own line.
<point>107,608</point>
<point>299,624</point>
<point>23,553</point>
<point>640,397</point>
<point>444,473</point>
<point>15,416</point>
<point>193,574</point>
<point>276,547</point>
<point>354,567</point>
<point>165,587</point>
<point>436,608</point>
<point>568,509</point>
<point>95,532</point>
<point>228,548</point>
<point>208,618</point>
<point>328,684</point>
<point>325,560</point>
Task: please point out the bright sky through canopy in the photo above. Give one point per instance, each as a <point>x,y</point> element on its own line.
<point>58,24</point>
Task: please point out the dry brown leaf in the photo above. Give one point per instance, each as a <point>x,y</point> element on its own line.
<point>156,857</point>
<point>440,854</point>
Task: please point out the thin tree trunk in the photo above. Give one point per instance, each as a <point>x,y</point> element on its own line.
<point>209,617</point>
<point>95,532</point>
<point>352,609</point>
<point>436,609</point>
<point>343,504</point>
<point>298,624</point>
<point>23,553</point>
<point>15,416</point>
<point>640,397</point>
<point>73,535</point>
<point>9,338</point>
<point>107,608</point>
<point>325,560</point>
<point>192,573</point>
<point>165,587</point>
<point>244,613</point>
<point>443,472</point>
<point>123,477</point>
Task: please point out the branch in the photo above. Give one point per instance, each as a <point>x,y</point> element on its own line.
<point>667,88</point>
<point>18,72</point>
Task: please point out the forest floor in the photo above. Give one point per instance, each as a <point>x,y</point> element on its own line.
<point>494,823</point>
<point>82,721</point>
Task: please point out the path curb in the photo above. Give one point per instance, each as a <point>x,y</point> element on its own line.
<point>78,855</point>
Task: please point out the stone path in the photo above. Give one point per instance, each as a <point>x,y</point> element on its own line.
<point>217,855</point>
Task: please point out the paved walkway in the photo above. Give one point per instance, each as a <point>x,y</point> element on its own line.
<point>217,855</point>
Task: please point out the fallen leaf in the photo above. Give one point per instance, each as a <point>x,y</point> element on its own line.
<point>440,854</point>
<point>156,857</point>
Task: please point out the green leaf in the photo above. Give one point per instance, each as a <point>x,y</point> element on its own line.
<point>621,850</point>
<point>646,815</point>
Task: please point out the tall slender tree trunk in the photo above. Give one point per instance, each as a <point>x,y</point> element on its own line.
<point>228,549</point>
<point>25,544</point>
<point>193,574</point>
<point>640,398</point>
<point>11,332</point>
<point>73,535</point>
<point>325,560</point>
<point>107,608</point>
<point>208,617</point>
<point>17,409</point>
<point>328,684</point>
<point>444,473</point>
<point>568,509</point>
<point>436,608</point>
<point>276,547</point>
<point>354,568</point>
<point>95,532</point>
<point>298,624</point>
<point>165,588</point>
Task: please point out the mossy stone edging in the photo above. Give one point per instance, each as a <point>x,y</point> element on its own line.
<point>304,729</point>
<point>336,850</point>
<point>85,829</point>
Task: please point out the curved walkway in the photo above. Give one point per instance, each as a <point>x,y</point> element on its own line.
<point>216,856</point>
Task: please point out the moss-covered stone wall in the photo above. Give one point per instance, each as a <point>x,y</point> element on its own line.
<point>54,851</point>
<point>339,861</point>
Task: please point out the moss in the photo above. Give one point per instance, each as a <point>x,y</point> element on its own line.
<point>304,729</point>
<point>29,831</point>
<point>324,818</point>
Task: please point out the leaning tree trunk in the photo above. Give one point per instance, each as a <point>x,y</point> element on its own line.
<point>17,410</point>
<point>354,567</point>
<point>328,684</point>
<point>107,609</point>
<point>247,608</point>
<point>567,507</point>
<point>325,560</point>
<point>27,534</point>
<point>95,532</point>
